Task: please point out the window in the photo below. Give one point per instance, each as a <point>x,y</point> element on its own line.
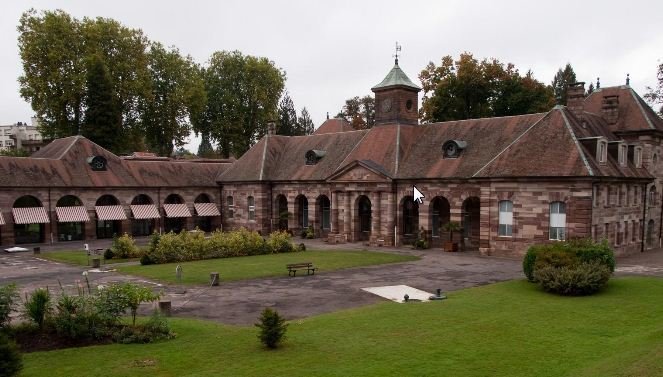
<point>326,213</point>
<point>602,151</point>
<point>557,221</point>
<point>505,218</point>
<point>652,195</point>
<point>626,239</point>
<point>637,157</point>
<point>9,143</point>
<point>623,151</point>
<point>230,203</point>
<point>252,208</point>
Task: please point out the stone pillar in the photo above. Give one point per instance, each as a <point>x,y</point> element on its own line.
<point>484,221</point>
<point>376,216</point>
<point>125,227</point>
<point>347,217</point>
<point>424,218</point>
<point>90,230</point>
<point>334,202</point>
<point>7,230</point>
<point>388,223</point>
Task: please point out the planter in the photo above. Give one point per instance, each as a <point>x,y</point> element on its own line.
<point>451,247</point>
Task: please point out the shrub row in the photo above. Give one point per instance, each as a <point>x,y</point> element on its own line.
<point>189,246</point>
<point>123,247</point>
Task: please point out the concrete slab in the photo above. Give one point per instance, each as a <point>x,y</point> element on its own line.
<point>396,293</point>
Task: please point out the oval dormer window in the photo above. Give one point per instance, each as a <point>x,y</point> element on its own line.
<point>97,163</point>
<point>313,156</point>
<point>453,148</point>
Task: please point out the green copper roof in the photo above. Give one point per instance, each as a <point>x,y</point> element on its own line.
<point>396,77</point>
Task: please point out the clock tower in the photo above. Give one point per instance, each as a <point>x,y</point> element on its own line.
<point>396,98</point>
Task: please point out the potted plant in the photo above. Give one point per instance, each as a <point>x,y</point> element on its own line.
<point>451,227</point>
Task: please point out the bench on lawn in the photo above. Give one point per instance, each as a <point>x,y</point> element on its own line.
<point>294,267</point>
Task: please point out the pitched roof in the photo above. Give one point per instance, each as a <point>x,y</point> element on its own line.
<point>396,77</point>
<point>63,162</point>
<point>333,125</point>
<point>634,113</point>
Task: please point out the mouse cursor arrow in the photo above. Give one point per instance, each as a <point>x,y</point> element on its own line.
<point>418,196</point>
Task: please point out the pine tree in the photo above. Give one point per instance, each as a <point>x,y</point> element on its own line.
<point>288,117</point>
<point>205,149</point>
<point>103,118</point>
<point>561,83</point>
<point>306,123</point>
<point>590,89</point>
<point>272,328</point>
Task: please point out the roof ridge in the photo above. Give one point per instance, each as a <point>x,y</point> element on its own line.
<point>484,118</point>
<point>264,154</point>
<point>575,141</point>
<point>642,110</point>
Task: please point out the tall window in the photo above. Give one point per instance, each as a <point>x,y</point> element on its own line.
<point>230,203</point>
<point>505,218</point>
<point>652,195</point>
<point>252,208</point>
<point>557,221</point>
<point>637,157</point>
<point>326,213</point>
<point>623,150</point>
<point>602,151</point>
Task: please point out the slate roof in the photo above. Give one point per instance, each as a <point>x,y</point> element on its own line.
<point>333,125</point>
<point>63,163</point>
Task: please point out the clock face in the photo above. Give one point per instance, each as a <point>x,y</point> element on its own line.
<point>386,105</point>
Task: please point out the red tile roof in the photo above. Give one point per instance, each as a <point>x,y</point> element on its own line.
<point>333,125</point>
<point>634,113</point>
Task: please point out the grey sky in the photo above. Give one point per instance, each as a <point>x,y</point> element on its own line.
<point>338,49</point>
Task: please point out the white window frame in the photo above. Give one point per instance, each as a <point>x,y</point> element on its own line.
<point>557,230</point>
<point>602,151</point>
<point>623,152</point>
<point>230,203</point>
<point>505,218</point>
<point>637,157</point>
<point>251,204</point>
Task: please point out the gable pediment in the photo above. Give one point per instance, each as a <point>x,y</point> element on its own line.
<point>360,171</point>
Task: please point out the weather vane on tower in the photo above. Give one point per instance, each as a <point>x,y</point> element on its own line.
<point>398,49</point>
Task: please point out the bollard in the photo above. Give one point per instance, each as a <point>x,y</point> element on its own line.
<point>164,308</point>
<point>96,262</point>
<point>214,279</point>
<point>36,250</point>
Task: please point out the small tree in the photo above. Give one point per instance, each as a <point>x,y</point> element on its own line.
<point>451,227</point>
<point>10,358</point>
<point>8,296</point>
<point>38,306</point>
<point>272,328</point>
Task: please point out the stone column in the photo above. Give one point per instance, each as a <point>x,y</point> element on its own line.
<point>334,202</point>
<point>347,217</point>
<point>7,230</point>
<point>484,221</point>
<point>376,216</point>
<point>388,223</point>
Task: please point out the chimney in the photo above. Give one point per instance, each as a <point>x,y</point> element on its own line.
<point>575,98</point>
<point>610,108</point>
<point>271,128</point>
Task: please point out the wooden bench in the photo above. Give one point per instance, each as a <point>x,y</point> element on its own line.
<point>294,267</point>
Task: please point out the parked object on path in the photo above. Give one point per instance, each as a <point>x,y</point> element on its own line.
<point>16,249</point>
<point>294,267</point>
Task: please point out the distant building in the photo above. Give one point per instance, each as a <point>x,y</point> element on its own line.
<point>20,135</point>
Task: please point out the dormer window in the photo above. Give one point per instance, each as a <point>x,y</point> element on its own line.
<point>602,151</point>
<point>637,157</point>
<point>623,152</point>
<point>453,148</point>
<point>313,156</point>
<point>97,163</point>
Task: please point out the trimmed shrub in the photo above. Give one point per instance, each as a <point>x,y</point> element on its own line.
<point>155,329</point>
<point>109,254</point>
<point>577,279</point>
<point>125,247</point>
<point>8,297</point>
<point>37,306</point>
<point>272,328</point>
<point>11,361</point>
<point>280,242</point>
<point>145,259</point>
<point>584,250</point>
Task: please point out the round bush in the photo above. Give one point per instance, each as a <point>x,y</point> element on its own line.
<point>583,278</point>
<point>109,254</point>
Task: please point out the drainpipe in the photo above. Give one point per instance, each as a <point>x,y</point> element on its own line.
<point>271,207</point>
<point>50,217</point>
<point>394,191</point>
<point>644,218</point>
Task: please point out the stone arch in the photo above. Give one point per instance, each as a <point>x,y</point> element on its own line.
<point>32,232</point>
<point>301,211</point>
<point>470,217</point>
<point>281,211</point>
<point>107,228</point>
<point>440,214</point>
<point>323,209</point>
<point>70,230</point>
<point>363,218</point>
<point>409,219</point>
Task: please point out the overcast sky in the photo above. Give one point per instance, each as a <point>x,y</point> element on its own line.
<point>339,49</point>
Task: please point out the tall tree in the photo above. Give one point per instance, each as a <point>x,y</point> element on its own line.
<point>242,96</point>
<point>561,82</point>
<point>590,89</point>
<point>205,149</point>
<point>103,118</point>
<point>655,95</point>
<point>359,112</point>
<point>177,91</point>
<point>287,124</point>
<point>305,122</point>
<point>469,88</point>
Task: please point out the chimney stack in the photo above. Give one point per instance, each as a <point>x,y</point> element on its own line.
<point>610,108</point>
<point>575,98</point>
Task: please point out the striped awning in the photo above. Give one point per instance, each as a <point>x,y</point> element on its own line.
<point>2,219</point>
<point>72,214</point>
<point>206,209</point>
<point>144,211</point>
<point>110,213</point>
<point>176,210</point>
<point>30,215</point>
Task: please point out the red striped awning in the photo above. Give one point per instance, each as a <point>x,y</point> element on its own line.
<point>30,215</point>
<point>145,211</point>
<point>110,213</point>
<point>72,214</point>
<point>176,210</point>
<point>206,209</point>
<point>2,219</point>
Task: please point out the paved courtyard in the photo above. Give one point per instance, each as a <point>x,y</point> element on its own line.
<point>240,302</point>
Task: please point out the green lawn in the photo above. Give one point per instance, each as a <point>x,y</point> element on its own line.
<point>78,257</point>
<point>240,268</point>
<point>505,329</point>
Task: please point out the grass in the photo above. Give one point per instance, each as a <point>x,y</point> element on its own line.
<point>78,257</point>
<point>505,329</point>
<point>240,268</point>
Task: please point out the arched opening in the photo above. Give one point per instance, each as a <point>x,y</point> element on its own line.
<point>29,219</point>
<point>301,211</point>
<point>471,213</point>
<point>282,213</point>
<point>324,214</point>
<point>410,220</point>
<point>109,216</point>
<point>650,233</point>
<point>363,223</point>
<point>71,217</point>
<point>145,214</point>
<point>440,214</point>
<point>176,214</point>
<point>204,213</point>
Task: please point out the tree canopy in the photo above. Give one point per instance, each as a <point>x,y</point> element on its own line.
<point>468,88</point>
<point>103,118</point>
<point>561,82</point>
<point>655,95</point>
<point>359,112</point>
